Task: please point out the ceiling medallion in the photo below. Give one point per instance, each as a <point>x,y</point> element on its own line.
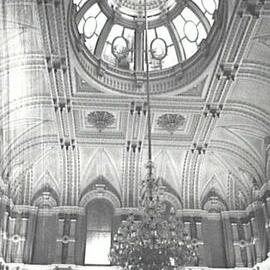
<point>171,122</point>
<point>101,119</point>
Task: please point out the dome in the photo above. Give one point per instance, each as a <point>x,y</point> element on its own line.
<point>135,8</point>
<point>114,30</point>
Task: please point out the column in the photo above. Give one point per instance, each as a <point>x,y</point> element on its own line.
<point>59,244</point>
<point>237,249</point>
<point>11,232</point>
<point>248,238</point>
<point>201,246</point>
<point>72,241</point>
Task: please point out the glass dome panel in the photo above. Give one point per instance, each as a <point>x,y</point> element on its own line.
<point>171,59</point>
<point>189,47</point>
<point>91,25</point>
<point>199,4</point>
<point>162,32</point>
<point>189,15</point>
<point>202,33</point>
<point>92,12</point>
<point>209,6</point>
<point>119,47</point>
<point>158,48</point>
<point>79,3</point>
<point>135,8</point>
<point>181,32</point>
<point>191,31</point>
<point>179,23</point>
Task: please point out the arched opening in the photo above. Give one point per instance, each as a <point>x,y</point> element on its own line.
<point>99,216</point>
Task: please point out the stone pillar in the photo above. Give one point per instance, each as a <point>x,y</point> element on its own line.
<point>187,228</point>
<point>80,236</point>
<point>4,205</point>
<point>139,47</point>
<point>30,234</point>
<point>201,247</point>
<point>10,244</point>
<point>237,249</point>
<point>21,243</point>
<point>71,243</point>
<point>266,218</point>
<point>21,229</point>
<point>3,235</point>
<point>256,239</point>
<point>248,237</point>
<point>267,157</point>
<point>59,244</point>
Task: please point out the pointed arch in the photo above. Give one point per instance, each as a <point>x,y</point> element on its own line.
<point>213,183</point>
<point>101,163</point>
<point>101,194</point>
<point>46,179</point>
<point>45,197</point>
<point>213,202</point>
<point>173,200</point>
<point>165,165</point>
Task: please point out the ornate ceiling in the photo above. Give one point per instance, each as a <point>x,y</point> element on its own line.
<point>76,121</point>
<point>136,8</point>
<point>110,44</point>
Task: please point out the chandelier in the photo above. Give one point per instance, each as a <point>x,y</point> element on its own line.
<point>156,240</point>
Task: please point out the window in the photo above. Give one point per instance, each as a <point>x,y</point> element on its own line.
<point>190,31</point>
<point>170,41</point>
<point>162,51</point>
<point>119,47</point>
<point>208,8</point>
<point>99,231</point>
<point>79,3</point>
<point>91,25</point>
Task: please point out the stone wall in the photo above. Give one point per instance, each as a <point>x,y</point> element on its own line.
<point>57,235</point>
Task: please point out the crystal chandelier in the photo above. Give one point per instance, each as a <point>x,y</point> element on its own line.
<point>156,240</point>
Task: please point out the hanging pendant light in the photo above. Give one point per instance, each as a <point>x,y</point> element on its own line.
<point>156,241</point>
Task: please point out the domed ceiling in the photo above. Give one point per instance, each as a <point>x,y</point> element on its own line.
<point>114,30</point>
<point>133,8</point>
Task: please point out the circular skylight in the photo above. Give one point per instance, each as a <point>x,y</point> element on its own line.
<point>135,8</point>
<point>113,30</point>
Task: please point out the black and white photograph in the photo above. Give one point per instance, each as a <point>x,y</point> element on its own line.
<point>134,134</point>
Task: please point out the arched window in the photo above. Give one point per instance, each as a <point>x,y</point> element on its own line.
<point>99,232</point>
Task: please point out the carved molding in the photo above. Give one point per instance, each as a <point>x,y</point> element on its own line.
<point>100,194</point>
